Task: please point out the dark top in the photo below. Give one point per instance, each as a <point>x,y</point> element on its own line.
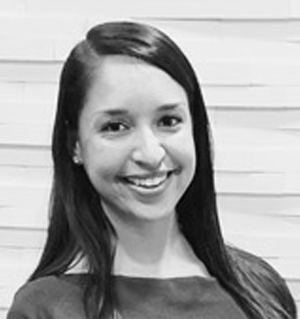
<point>137,298</point>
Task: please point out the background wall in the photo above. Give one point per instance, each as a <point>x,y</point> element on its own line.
<point>246,54</point>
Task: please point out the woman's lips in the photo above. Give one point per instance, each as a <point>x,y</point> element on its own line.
<point>149,181</point>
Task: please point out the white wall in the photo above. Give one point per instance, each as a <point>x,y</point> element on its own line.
<point>246,54</point>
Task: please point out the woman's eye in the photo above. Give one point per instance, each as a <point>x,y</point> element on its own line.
<point>170,121</point>
<point>114,127</point>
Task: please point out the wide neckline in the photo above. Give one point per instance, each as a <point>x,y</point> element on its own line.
<point>151,280</point>
<point>164,279</point>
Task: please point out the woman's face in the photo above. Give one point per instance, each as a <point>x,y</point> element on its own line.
<point>135,139</point>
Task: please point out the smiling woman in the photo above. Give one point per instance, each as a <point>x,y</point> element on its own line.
<point>136,120</point>
<point>134,230</point>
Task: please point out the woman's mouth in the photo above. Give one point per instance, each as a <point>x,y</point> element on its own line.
<point>148,181</point>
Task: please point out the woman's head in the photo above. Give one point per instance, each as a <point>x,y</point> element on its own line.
<point>135,139</point>
<point>142,43</point>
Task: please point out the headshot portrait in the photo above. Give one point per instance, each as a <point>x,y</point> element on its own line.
<point>161,184</point>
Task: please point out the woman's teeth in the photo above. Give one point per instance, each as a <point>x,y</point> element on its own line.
<point>150,182</point>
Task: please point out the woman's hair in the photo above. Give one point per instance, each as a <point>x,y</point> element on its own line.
<point>78,226</point>
<point>266,282</point>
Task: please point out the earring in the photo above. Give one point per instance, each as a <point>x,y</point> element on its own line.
<point>77,160</point>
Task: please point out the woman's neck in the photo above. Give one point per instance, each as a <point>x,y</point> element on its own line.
<point>154,249</point>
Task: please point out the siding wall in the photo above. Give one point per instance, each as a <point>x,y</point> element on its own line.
<point>247,55</point>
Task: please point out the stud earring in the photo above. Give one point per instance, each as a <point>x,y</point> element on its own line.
<point>77,160</point>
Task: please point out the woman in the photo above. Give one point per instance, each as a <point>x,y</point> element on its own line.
<point>133,198</point>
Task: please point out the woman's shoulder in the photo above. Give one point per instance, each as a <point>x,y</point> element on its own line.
<point>259,276</point>
<point>44,297</point>
<point>255,267</point>
<point>50,288</point>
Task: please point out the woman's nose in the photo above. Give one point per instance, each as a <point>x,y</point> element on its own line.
<point>148,151</point>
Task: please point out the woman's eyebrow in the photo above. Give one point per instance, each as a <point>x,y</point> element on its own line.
<point>113,112</point>
<point>170,106</point>
<point>162,108</point>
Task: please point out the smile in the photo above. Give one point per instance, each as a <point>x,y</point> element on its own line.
<point>148,182</point>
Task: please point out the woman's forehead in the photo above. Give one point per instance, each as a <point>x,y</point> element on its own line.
<point>118,78</point>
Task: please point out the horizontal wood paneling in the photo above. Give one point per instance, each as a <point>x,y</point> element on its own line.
<point>274,29</point>
<point>24,155</point>
<point>22,237</point>
<point>247,57</point>
<point>30,71</point>
<point>20,101</point>
<point>162,9</point>
<point>211,72</point>
<point>236,149</point>
<point>73,26</point>
<point>268,204</point>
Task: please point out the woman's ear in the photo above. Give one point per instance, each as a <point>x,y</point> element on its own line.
<point>77,157</point>
<point>74,148</point>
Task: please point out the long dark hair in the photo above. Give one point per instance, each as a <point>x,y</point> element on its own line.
<point>78,226</point>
